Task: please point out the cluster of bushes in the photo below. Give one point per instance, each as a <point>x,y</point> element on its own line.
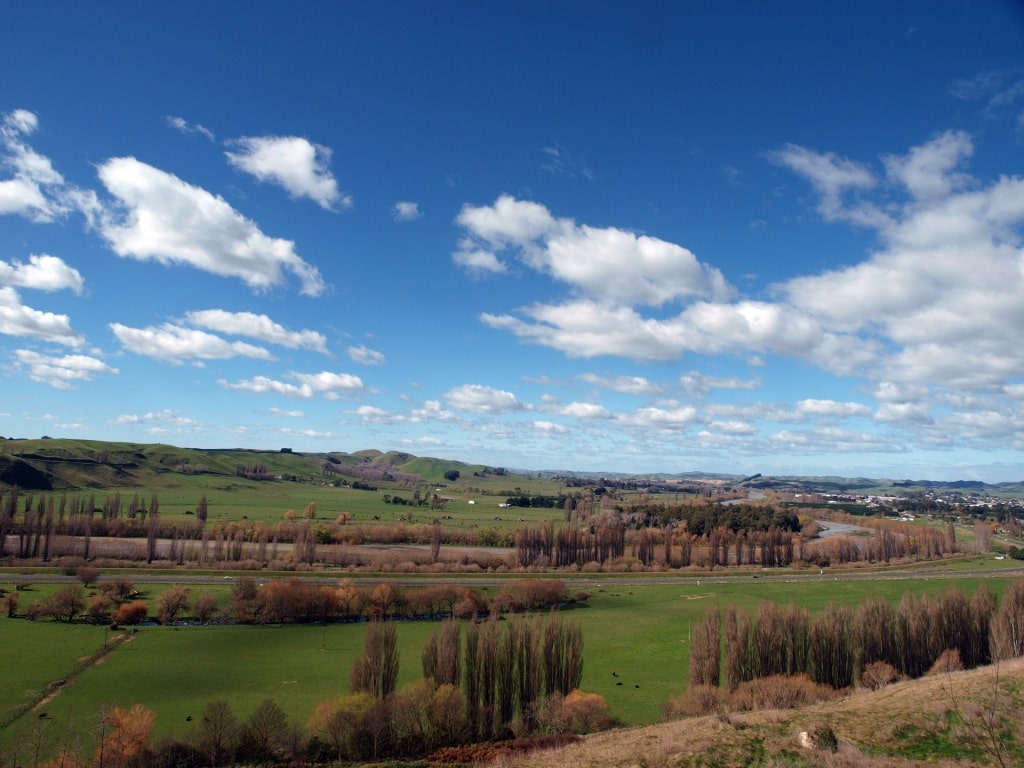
<point>285,601</point>
<point>420,720</point>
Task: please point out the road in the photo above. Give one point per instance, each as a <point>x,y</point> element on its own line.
<point>782,576</point>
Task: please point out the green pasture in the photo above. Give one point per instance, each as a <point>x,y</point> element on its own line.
<point>236,499</point>
<point>636,653</point>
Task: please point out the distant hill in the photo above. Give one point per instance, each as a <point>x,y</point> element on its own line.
<point>50,464</point>
<point>60,464</point>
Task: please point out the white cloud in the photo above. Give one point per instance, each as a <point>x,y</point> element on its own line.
<point>477,398</point>
<point>257,327</point>
<point>611,265</point>
<point>370,414</point>
<point>166,416</point>
<point>331,385</point>
<point>163,218</point>
<point>585,411</point>
<point>182,125</point>
<point>630,385</point>
<point>34,189</point>
<point>365,356</point>
<point>550,428</point>
<point>832,177</point>
<point>286,414</point>
<point>819,441</point>
<point>477,261</point>
<point>405,210</point>
<point>175,344</point>
<point>61,372</point>
<point>16,319</point>
<point>662,420</point>
<point>736,428</point>
<point>431,410</point>
<point>941,298</point>
<point>927,171</point>
<point>697,384</point>
<point>310,433</point>
<point>43,273</point>
<point>907,413</point>
<point>293,162</point>
<point>831,408</point>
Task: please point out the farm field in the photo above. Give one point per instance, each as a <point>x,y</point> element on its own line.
<point>636,652</point>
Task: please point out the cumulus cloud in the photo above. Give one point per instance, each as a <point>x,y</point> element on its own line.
<point>331,385</point>
<point>630,385</point>
<point>42,273</point>
<point>256,326</point>
<point>665,420</point>
<point>832,177</point>
<point>60,372</point>
<point>608,264</point>
<point>818,441</point>
<point>165,416</point>
<point>940,298</point>
<point>294,163</point>
<point>17,319</point>
<point>697,384</point>
<point>175,344</point>
<point>33,190</point>
<point>405,210</point>
<point>832,408</point>
<point>162,218</point>
<point>477,398</point>
<point>286,413</point>
<point>365,356</point>
<point>585,411</point>
<point>934,308</point>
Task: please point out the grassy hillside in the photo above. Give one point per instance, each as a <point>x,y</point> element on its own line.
<point>939,721</point>
<point>61,464</point>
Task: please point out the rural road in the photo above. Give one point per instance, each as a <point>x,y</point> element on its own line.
<point>619,580</point>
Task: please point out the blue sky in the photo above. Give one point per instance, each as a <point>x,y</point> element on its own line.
<point>646,237</point>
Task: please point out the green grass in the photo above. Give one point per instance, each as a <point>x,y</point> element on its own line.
<point>38,653</point>
<point>634,635</point>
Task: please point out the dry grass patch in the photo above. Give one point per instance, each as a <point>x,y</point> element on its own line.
<point>911,723</point>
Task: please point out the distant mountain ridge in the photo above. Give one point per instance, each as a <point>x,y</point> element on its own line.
<point>50,464</point>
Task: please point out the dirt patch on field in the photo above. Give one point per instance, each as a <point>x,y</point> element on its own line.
<point>84,663</point>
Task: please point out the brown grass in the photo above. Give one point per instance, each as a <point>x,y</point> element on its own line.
<point>888,728</point>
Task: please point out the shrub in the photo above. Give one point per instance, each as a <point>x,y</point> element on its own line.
<point>70,564</point>
<point>87,574</point>
<point>698,700</point>
<point>779,692</point>
<point>948,661</point>
<point>131,613</point>
<point>877,675</point>
<point>585,713</point>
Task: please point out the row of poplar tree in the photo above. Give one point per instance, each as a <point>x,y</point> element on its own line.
<point>505,668</point>
<point>837,646</point>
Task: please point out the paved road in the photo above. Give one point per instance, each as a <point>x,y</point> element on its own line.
<point>781,576</point>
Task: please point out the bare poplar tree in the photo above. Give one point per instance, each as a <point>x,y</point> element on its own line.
<point>705,650</point>
<point>1008,623</point>
<point>375,670</point>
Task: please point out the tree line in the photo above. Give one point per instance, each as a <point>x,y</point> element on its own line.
<point>280,601</point>
<point>846,646</point>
